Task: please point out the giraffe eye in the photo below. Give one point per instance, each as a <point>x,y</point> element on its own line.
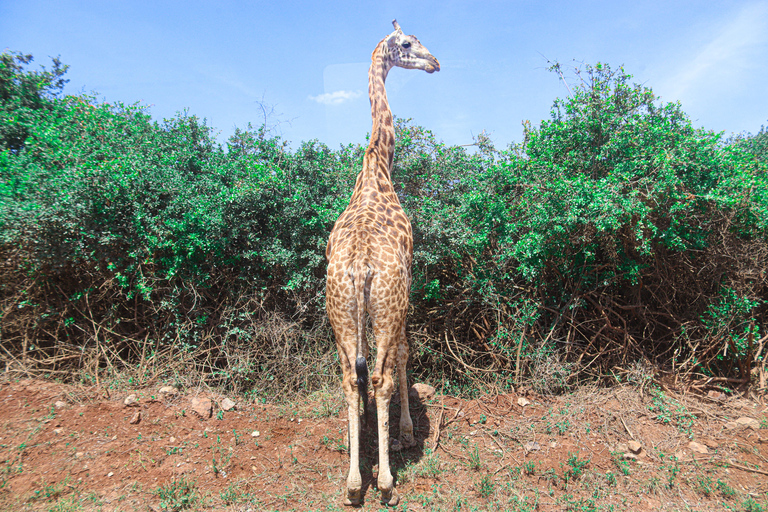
<point>406,44</point>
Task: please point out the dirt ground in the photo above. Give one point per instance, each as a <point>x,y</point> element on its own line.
<point>626,448</point>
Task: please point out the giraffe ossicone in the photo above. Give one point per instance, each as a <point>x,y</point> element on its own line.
<point>369,271</point>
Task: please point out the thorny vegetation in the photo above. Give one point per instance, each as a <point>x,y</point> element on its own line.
<point>614,235</point>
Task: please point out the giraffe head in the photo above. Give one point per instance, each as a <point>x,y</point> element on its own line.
<point>407,52</point>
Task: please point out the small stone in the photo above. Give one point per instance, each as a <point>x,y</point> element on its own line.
<point>79,455</point>
<point>698,448</point>
<point>168,390</point>
<point>203,407</point>
<point>622,447</point>
<point>731,425</point>
<point>58,431</point>
<point>136,418</point>
<point>421,392</point>
<point>255,433</point>
<point>131,401</point>
<point>629,456</point>
<point>59,404</point>
<point>553,444</point>
<point>110,474</point>
<point>748,422</point>
<point>716,395</point>
<point>522,402</point>
<point>172,440</point>
<point>227,405</point>
<point>634,447</point>
<point>532,446</point>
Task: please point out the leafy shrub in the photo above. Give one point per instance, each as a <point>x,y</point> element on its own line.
<point>615,232</point>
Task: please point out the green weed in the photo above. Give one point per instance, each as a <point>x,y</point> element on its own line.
<point>574,467</point>
<point>486,487</point>
<point>178,494</point>
<point>725,489</point>
<point>669,410</point>
<point>234,494</point>
<point>750,505</point>
<point>703,485</point>
<point>529,468</point>
<point>621,463</point>
<point>475,462</point>
<point>427,467</point>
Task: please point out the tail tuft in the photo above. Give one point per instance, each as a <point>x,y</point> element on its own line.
<point>361,369</point>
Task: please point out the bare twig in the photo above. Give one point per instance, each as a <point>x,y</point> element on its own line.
<point>436,437</point>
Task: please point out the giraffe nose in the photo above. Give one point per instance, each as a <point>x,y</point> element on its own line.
<point>435,64</point>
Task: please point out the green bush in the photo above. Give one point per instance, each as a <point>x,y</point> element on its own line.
<point>615,231</point>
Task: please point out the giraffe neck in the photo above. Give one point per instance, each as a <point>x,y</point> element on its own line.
<point>377,163</point>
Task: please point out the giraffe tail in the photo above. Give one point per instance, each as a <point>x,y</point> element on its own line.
<point>361,366</point>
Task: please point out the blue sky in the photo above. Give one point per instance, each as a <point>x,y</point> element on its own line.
<point>308,60</point>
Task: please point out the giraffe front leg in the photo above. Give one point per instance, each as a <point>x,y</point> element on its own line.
<point>354,484</point>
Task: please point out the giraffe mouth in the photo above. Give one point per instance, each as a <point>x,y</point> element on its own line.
<point>434,65</point>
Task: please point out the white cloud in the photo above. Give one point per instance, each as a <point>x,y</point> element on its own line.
<point>734,49</point>
<point>336,97</point>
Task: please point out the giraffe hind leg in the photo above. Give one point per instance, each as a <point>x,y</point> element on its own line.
<point>407,439</point>
<point>344,331</point>
<point>383,387</point>
<point>354,482</point>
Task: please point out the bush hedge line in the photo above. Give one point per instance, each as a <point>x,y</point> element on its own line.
<point>614,233</point>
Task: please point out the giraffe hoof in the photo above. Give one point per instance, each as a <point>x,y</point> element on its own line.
<point>390,498</point>
<point>407,440</point>
<point>352,502</point>
<point>353,497</point>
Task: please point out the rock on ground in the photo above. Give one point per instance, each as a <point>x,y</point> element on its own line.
<point>227,405</point>
<point>203,407</point>
<point>421,392</point>
<point>168,390</point>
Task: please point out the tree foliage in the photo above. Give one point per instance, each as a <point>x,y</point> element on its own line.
<point>757,144</point>
<point>615,232</point>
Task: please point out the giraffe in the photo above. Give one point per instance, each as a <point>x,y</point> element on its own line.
<point>369,270</point>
